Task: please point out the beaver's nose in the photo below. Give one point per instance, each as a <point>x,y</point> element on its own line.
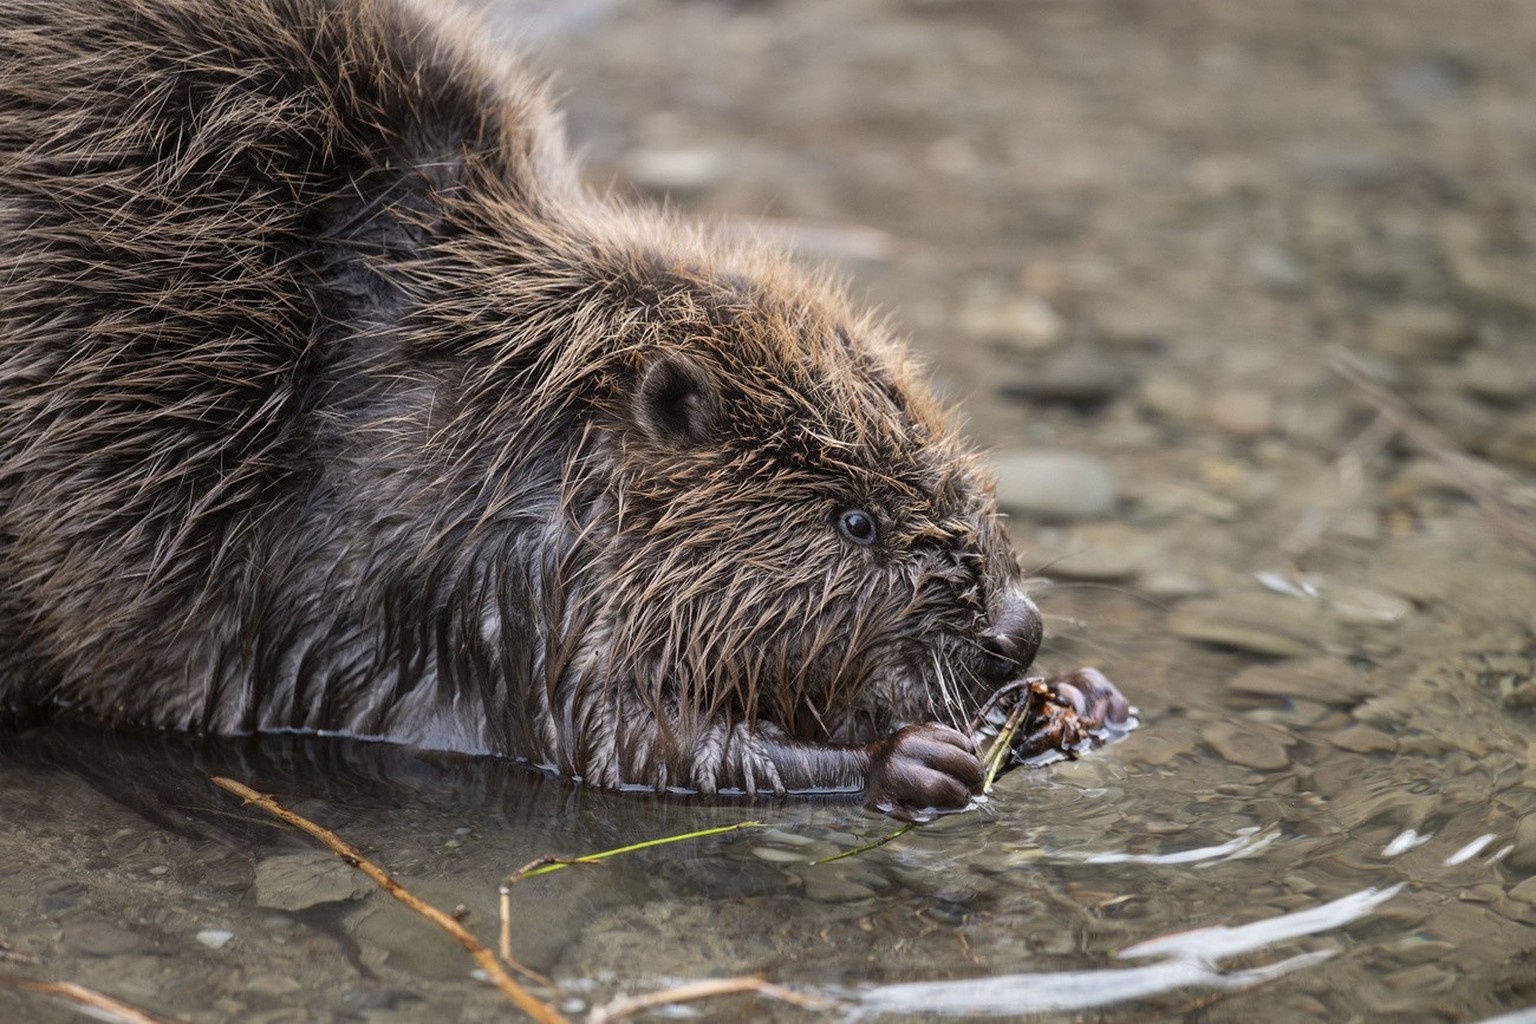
<point>1013,639</point>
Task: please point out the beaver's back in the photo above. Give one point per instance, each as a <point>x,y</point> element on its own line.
<point>330,403</point>
<point>200,201</point>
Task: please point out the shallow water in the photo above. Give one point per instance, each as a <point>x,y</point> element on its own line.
<point>1132,234</point>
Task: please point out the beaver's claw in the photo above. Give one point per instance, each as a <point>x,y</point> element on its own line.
<point>922,771</point>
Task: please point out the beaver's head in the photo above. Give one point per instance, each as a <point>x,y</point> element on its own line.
<point>790,528</point>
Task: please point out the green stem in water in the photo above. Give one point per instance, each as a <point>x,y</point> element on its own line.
<point>632,847</point>
<point>997,754</point>
<point>867,846</point>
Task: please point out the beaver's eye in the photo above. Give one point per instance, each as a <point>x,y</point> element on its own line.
<point>857,525</point>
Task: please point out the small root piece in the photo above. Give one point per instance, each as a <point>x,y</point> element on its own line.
<point>626,1006</point>
<point>537,864</point>
<point>544,865</point>
<point>102,1006</point>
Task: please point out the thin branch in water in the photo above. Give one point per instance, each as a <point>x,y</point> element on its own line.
<point>1477,478</point>
<point>1025,685</point>
<point>626,1006</point>
<point>1024,693</point>
<point>10,955</point>
<point>1349,475</point>
<point>524,1000</point>
<point>483,957</point>
<point>104,1007</point>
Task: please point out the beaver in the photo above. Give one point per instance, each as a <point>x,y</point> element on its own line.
<point>331,401</point>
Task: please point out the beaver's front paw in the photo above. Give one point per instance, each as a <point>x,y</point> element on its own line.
<point>922,771</point>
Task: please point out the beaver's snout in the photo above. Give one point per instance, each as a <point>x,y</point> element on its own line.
<point>1013,639</point>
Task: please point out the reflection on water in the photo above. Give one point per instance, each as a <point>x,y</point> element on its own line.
<point>1189,959</point>
<point>1248,844</point>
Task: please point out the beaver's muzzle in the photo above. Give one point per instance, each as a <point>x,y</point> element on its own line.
<point>1013,639</point>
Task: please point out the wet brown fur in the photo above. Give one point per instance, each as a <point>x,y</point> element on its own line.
<point>331,401</point>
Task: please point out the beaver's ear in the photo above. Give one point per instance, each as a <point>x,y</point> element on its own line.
<point>678,400</point>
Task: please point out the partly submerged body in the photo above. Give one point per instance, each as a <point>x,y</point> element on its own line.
<point>331,402</point>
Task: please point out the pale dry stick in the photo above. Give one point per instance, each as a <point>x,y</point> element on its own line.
<point>1476,477</point>
<point>626,1006</point>
<point>506,896</point>
<point>546,864</point>
<point>9,955</point>
<point>521,997</point>
<point>120,1011</point>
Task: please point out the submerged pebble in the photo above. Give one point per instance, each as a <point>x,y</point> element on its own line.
<point>1274,269</point>
<point>1495,376</point>
<point>843,242</point>
<point>779,855</point>
<point>1294,621</point>
<point>1523,856</point>
<point>1525,891</point>
<point>1242,412</point>
<point>1357,606</point>
<point>1363,739</point>
<point>1326,680</point>
<point>1156,750</point>
<point>1054,485</point>
<point>1098,552</point>
<point>1267,624</point>
<point>843,881</point>
<point>297,881</point>
<point>1023,322</point>
<point>1173,584</point>
<point>1252,746</point>
<point>390,933</point>
<point>96,936</point>
<point>1419,332</point>
<point>1079,376</point>
<point>1171,395</point>
<point>678,170</point>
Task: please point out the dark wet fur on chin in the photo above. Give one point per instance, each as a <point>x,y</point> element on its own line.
<point>330,401</point>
